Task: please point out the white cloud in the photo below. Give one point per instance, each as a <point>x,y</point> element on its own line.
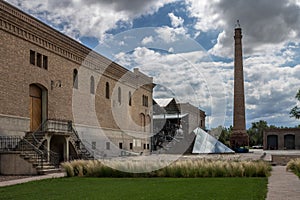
<point>168,34</point>
<point>147,40</point>
<point>94,18</point>
<point>175,21</point>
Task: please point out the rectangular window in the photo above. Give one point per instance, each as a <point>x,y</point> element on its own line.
<point>107,145</point>
<point>120,145</point>
<point>93,145</point>
<point>130,145</point>
<point>32,57</point>
<point>145,100</point>
<point>39,60</point>
<point>45,62</point>
<point>144,146</point>
<point>148,146</point>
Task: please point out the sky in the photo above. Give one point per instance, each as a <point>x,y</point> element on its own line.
<point>187,46</point>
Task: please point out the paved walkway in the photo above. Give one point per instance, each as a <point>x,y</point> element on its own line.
<point>33,178</point>
<point>283,185</point>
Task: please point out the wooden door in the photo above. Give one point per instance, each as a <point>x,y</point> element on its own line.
<point>35,107</point>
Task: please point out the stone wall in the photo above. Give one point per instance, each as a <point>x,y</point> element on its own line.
<point>10,165</point>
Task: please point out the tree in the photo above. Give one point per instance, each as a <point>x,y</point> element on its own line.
<point>256,132</point>
<point>225,135</point>
<point>295,112</point>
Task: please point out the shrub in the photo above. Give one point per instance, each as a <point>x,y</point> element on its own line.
<point>294,166</point>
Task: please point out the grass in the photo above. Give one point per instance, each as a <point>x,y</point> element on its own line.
<point>181,168</point>
<point>139,188</point>
<point>294,166</point>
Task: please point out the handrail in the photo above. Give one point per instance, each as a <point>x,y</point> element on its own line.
<point>19,145</point>
<point>80,145</point>
<point>9,143</point>
<point>39,153</point>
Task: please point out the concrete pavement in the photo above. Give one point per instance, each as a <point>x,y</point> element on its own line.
<point>283,185</point>
<point>33,178</point>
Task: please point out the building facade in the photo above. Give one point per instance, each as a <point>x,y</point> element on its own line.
<point>49,79</point>
<point>282,139</point>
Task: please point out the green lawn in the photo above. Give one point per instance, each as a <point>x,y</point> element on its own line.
<point>139,188</point>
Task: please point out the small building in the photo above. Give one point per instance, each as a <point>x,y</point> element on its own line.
<point>173,125</point>
<point>282,139</point>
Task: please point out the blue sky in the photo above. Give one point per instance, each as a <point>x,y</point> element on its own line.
<point>187,46</point>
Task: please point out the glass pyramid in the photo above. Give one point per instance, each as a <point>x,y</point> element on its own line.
<point>205,143</point>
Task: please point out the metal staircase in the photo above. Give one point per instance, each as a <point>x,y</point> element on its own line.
<point>33,149</point>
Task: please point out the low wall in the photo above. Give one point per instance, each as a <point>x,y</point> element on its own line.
<point>283,159</point>
<point>12,164</point>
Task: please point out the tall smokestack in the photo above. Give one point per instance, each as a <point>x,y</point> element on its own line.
<point>239,135</point>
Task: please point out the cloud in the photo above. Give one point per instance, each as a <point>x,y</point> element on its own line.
<point>175,21</point>
<point>265,25</point>
<point>93,18</point>
<point>169,34</point>
<point>147,40</point>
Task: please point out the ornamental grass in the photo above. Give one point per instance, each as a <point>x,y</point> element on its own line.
<point>180,168</point>
<point>294,166</point>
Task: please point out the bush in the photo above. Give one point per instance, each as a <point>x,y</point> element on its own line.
<point>294,166</point>
<point>181,168</point>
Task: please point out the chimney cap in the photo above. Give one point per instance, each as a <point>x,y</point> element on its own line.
<point>237,25</point>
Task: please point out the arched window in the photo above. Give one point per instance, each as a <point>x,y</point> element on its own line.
<point>129,98</point>
<point>119,95</point>
<point>92,85</point>
<point>75,78</point>
<point>107,90</point>
<point>143,122</point>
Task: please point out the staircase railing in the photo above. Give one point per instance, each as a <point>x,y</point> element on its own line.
<point>9,143</point>
<point>83,151</point>
<point>39,155</point>
<point>51,156</point>
<point>19,144</point>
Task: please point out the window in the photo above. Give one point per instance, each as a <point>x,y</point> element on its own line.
<point>39,60</point>
<point>107,145</point>
<point>93,145</point>
<point>107,90</point>
<point>32,57</point>
<point>92,85</point>
<point>148,146</point>
<point>145,100</point>
<point>144,146</point>
<point>75,78</point>
<point>120,145</point>
<point>45,62</point>
<point>119,95</point>
<point>131,145</point>
<point>142,117</point>
<point>129,99</point>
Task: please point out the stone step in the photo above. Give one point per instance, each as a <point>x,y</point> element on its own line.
<point>49,171</point>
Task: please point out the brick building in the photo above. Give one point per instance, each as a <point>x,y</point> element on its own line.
<point>282,139</point>
<point>50,82</point>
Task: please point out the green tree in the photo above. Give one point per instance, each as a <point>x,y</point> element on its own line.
<point>295,112</point>
<point>225,135</point>
<point>256,132</point>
